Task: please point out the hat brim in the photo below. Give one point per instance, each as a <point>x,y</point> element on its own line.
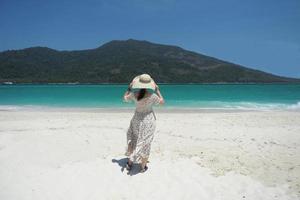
<point>138,85</point>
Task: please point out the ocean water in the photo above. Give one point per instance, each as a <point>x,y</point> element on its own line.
<point>212,96</point>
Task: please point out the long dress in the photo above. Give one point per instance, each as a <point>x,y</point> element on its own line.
<point>142,126</point>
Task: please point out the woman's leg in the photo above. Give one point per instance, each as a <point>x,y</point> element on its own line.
<point>131,140</point>
<point>129,164</point>
<point>144,163</point>
<point>129,149</point>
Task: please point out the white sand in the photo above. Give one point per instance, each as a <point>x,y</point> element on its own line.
<point>70,155</point>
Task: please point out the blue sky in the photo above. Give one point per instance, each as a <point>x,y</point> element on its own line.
<point>261,34</point>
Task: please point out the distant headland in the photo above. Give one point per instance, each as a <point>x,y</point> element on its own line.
<point>119,61</point>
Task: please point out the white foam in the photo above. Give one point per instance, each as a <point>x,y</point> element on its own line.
<point>295,106</point>
<point>235,105</point>
<point>9,108</point>
<point>211,105</point>
<point>21,107</point>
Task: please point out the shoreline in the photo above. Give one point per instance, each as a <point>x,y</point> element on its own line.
<point>132,109</point>
<point>204,83</point>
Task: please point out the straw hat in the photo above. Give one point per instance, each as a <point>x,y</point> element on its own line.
<point>143,81</point>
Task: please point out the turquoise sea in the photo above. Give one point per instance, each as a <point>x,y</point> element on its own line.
<point>228,96</point>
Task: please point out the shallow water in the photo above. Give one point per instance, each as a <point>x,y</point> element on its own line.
<point>229,96</point>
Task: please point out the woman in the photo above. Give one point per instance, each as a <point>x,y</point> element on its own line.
<point>142,125</point>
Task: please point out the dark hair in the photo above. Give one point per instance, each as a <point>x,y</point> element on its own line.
<point>141,94</point>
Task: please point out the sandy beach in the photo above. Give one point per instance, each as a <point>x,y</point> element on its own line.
<point>68,154</point>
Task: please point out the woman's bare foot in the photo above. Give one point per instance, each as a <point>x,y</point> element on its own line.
<point>129,165</point>
<point>143,169</point>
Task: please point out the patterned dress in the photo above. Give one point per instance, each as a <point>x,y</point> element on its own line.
<point>142,126</point>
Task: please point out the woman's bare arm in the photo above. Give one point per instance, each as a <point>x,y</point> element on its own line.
<point>127,93</point>
<point>161,98</point>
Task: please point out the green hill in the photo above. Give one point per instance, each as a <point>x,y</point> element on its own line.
<point>120,61</point>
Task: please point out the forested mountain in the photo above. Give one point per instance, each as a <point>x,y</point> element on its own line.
<point>120,61</point>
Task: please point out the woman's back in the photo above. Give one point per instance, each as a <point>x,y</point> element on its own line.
<point>145,104</point>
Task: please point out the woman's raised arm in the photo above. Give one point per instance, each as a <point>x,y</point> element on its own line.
<point>127,93</point>
<point>161,98</point>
